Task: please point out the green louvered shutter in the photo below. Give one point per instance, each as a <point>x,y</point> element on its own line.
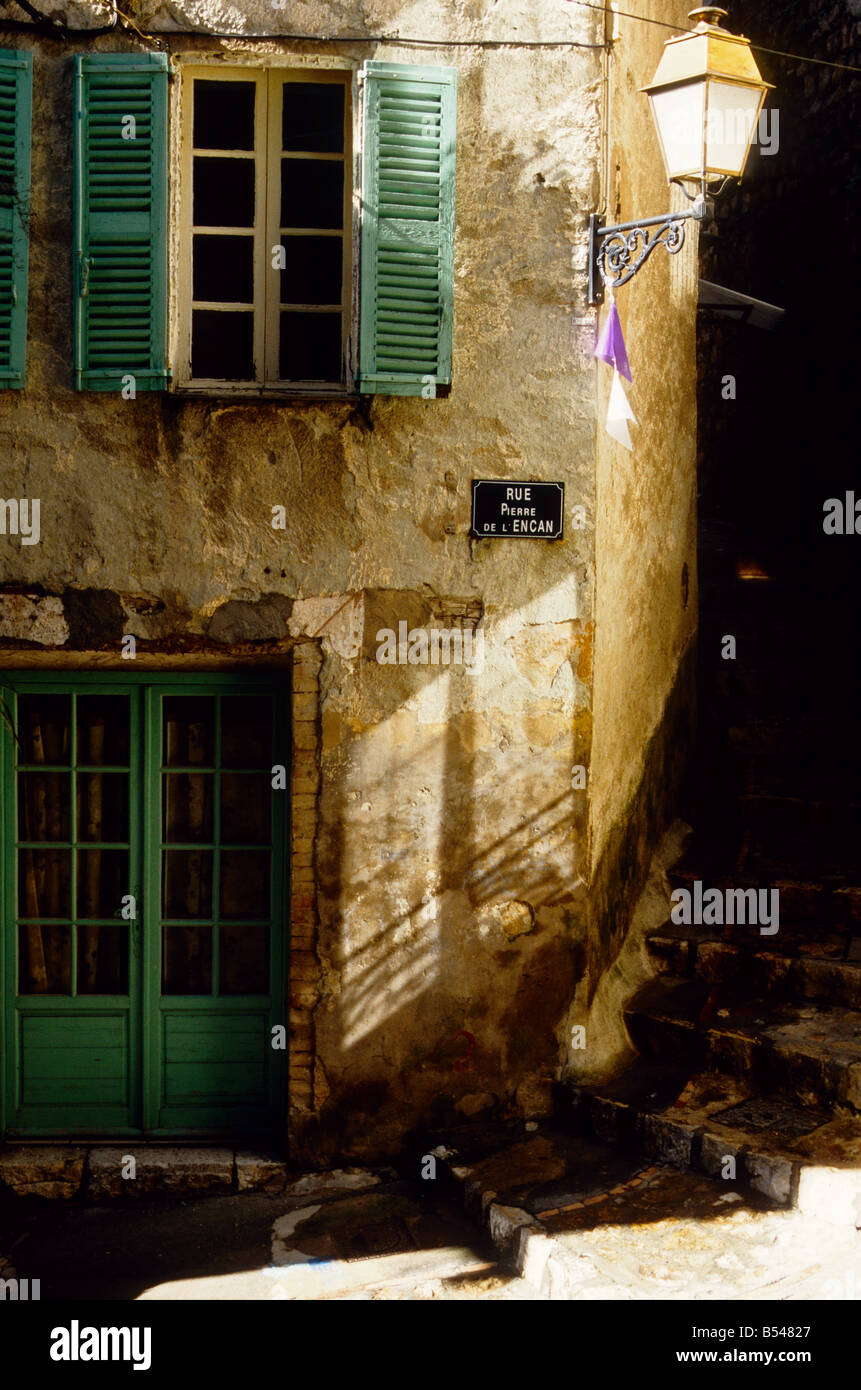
<point>16,81</point>
<point>407,229</point>
<point>121,221</point>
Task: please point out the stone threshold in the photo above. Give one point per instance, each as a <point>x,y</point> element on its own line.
<point>97,1172</point>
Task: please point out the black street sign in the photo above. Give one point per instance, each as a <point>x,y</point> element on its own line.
<point>512,509</point>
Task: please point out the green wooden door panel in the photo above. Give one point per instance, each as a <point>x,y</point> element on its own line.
<point>156,1060</point>
<point>407,241</point>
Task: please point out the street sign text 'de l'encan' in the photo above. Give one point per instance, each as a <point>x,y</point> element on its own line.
<point>506,508</point>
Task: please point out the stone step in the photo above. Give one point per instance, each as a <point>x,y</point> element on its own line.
<point>804,1054</point>
<point>796,831</point>
<point>825,903</point>
<point>582,1220</point>
<point>783,967</point>
<point>795,1155</point>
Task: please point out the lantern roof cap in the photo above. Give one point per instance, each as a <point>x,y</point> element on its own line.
<point>707,51</point>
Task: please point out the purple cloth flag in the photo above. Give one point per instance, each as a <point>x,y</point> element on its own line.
<point>611,344</point>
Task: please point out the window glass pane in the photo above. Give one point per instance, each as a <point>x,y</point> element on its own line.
<point>43,806</point>
<point>312,193</point>
<point>313,117</point>
<point>189,730</point>
<point>187,883</point>
<point>103,730</point>
<point>103,806</point>
<point>246,731</point>
<point>246,801</point>
<point>223,115</point>
<point>222,345</point>
<point>187,960</point>
<point>44,960</point>
<point>223,193</point>
<point>224,269</point>
<point>310,347</point>
<point>314,270</point>
<point>188,801</point>
<point>244,960</point>
<point>103,959</point>
<point>44,723</point>
<point>244,883</point>
<point>103,881</point>
<point>44,883</point>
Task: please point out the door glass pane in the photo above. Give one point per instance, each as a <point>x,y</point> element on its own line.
<point>103,958</point>
<point>187,960</point>
<point>309,347</point>
<point>44,959</point>
<point>103,730</point>
<point>43,806</point>
<point>246,805</point>
<point>189,730</point>
<point>223,194</point>
<point>222,344</point>
<point>313,117</point>
<point>244,960</point>
<point>44,724</point>
<point>103,881</point>
<point>246,731</point>
<point>312,193</point>
<point>188,808</point>
<point>187,883</point>
<point>313,270</point>
<point>103,806</point>
<point>44,883</point>
<point>244,883</point>
<point>223,269</point>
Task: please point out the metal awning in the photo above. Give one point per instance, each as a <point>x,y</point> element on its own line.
<point>739,306</point>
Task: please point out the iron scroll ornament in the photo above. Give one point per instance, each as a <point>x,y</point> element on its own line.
<point>621,254</point>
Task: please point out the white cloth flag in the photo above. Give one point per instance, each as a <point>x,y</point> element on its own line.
<point>619,413</point>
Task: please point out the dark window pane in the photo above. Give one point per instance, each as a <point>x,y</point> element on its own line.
<point>44,960</point>
<point>224,269</point>
<point>44,883</point>
<point>103,881</point>
<point>223,115</point>
<point>103,730</point>
<point>187,884</point>
<point>43,806</point>
<point>103,959</point>
<point>103,806</point>
<point>223,192</point>
<point>314,270</point>
<point>246,802</point>
<point>44,728</point>
<point>222,345</point>
<point>310,347</point>
<point>312,193</point>
<point>313,117</point>
<point>189,730</point>
<point>244,883</point>
<point>188,807</point>
<point>246,731</point>
<point>244,964</point>
<point>187,960</point>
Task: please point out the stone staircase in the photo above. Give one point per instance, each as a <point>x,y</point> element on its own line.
<point>750,1043</point>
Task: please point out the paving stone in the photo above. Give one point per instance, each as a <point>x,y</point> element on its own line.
<point>259,1173</point>
<point>34,1170</point>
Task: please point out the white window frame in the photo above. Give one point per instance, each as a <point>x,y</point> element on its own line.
<point>269,77</point>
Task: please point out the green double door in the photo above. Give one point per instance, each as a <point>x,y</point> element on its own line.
<point>142,949</point>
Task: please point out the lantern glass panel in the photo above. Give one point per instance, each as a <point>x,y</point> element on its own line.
<point>730,125</point>
<point>679,114</point>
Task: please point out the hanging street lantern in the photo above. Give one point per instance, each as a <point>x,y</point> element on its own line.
<point>706,98</point>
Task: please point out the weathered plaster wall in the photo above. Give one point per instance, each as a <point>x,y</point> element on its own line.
<point>427,790</point>
<point>646,596</point>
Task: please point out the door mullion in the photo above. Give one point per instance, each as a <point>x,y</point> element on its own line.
<point>150,805</point>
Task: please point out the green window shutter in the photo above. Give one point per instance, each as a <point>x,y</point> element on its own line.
<point>16,81</point>
<point>407,229</point>
<point>121,221</point>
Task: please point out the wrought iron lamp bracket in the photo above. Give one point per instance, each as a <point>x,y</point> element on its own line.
<point>616,253</point>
